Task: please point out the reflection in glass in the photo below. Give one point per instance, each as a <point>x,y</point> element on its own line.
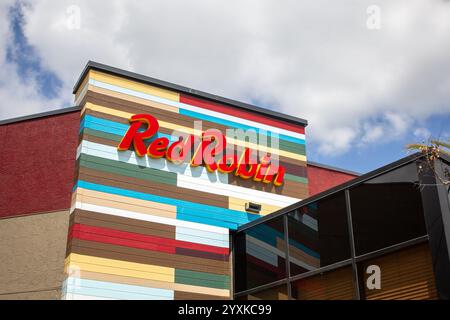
<point>260,255</point>
<point>332,285</point>
<point>318,234</point>
<point>387,210</point>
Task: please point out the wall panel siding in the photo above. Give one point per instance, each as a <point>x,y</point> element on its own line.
<point>145,228</point>
<point>35,153</point>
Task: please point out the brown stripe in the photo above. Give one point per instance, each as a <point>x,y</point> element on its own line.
<point>150,187</point>
<point>181,295</point>
<point>163,259</point>
<point>294,169</point>
<point>135,108</point>
<point>147,228</point>
<point>123,220</point>
<point>288,188</point>
<point>201,254</point>
<point>92,138</point>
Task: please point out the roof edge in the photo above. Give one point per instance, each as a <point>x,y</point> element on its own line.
<point>199,94</point>
<point>40,115</point>
<point>333,168</point>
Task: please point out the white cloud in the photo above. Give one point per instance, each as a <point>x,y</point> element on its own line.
<point>422,133</point>
<point>316,60</point>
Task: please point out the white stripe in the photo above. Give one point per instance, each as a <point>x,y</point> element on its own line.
<point>264,255</point>
<point>82,94</point>
<point>146,96</point>
<point>250,123</point>
<point>235,191</point>
<point>109,152</point>
<point>79,151</point>
<point>146,217</point>
<point>310,222</point>
<point>196,178</point>
<point>202,237</point>
<point>75,296</point>
<point>264,245</point>
<point>302,264</point>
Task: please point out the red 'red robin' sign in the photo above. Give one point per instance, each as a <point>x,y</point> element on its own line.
<point>202,150</point>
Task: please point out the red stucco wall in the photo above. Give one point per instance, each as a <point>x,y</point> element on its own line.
<point>321,179</point>
<point>37,163</point>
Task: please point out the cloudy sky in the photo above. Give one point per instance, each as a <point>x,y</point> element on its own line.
<point>370,76</point>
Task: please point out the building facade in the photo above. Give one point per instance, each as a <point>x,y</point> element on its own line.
<point>83,217</point>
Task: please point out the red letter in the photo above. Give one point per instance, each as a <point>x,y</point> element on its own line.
<point>157,149</point>
<point>242,170</point>
<point>213,142</point>
<point>137,137</point>
<point>228,163</point>
<point>178,150</point>
<point>263,168</point>
<point>280,177</point>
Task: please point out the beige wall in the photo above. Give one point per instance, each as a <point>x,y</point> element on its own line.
<point>32,251</point>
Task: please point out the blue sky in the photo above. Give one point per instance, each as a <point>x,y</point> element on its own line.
<point>366,93</point>
<point>26,59</point>
<point>378,154</point>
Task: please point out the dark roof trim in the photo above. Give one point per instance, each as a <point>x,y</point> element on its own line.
<point>200,94</point>
<point>325,166</point>
<point>40,115</point>
<point>336,189</point>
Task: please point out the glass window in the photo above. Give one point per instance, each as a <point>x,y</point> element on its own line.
<point>387,210</point>
<point>260,255</point>
<point>403,275</point>
<point>318,234</point>
<point>276,293</point>
<point>333,285</point>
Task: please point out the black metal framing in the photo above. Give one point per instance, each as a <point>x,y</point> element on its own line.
<point>354,259</point>
<point>349,262</point>
<point>351,239</point>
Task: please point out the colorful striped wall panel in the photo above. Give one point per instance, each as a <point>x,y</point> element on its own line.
<point>144,228</point>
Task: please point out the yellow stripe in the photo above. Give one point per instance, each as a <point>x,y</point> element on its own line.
<point>133,85</point>
<point>142,101</point>
<point>83,84</point>
<point>239,204</point>
<point>118,267</point>
<point>168,125</point>
<point>126,203</point>
<point>153,283</point>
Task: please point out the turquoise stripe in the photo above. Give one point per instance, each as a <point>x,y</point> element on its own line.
<point>112,127</point>
<point>203,220</point>
<point>186,210</point>
<point>122,288</point>
<point>229,123</point>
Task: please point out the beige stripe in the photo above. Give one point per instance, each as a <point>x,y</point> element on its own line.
<point>126,203</point>
<point>142,101</point>
<point>82,86</point>
<point>133,85</point>
<point>239,204</point>
<point>299,254</point>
